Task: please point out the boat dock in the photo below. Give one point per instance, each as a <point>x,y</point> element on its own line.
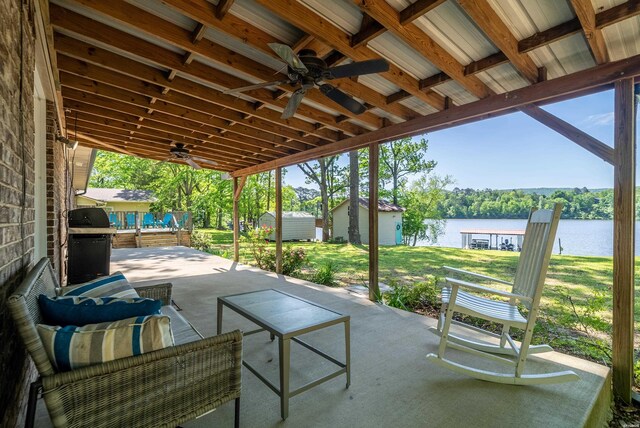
<point>492,239</point>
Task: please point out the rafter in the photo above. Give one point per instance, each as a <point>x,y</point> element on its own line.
<point>382,12</point>
<point>418,9</point>
<point>587,16</point>
<point>154,26</point>
<point>257,38</point>
<point>312,23</point>
<point>369,29</point>
<point>497,31</point>
<point>223,7</point>
<point>71,22</point>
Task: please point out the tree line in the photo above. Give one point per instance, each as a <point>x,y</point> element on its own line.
<point>578,203</point>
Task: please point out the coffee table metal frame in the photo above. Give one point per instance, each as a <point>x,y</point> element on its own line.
<point>284,347</point>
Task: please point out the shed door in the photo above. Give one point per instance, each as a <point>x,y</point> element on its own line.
<point>398,232</point>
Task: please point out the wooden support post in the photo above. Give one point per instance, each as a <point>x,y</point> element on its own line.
<point>624,188</point>
<point>278,220</point>
<point>238,184</point>
<point>374,290</point>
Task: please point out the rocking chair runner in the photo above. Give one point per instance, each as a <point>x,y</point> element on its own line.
<point>527,289</point>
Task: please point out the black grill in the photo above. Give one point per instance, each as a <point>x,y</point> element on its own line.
<point>89,249</point>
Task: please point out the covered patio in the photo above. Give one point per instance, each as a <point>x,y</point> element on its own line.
<point>160,80</point>
<point>391,383</point>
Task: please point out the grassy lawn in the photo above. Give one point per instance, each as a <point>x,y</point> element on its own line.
<point>576,305</point>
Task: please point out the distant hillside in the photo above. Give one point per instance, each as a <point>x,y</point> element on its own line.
<point>546,191</point>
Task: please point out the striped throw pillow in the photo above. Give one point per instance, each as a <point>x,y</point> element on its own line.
<point>73,347</point>
<point>114,285</point>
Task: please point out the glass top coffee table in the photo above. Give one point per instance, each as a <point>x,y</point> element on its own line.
<point>287,316</point>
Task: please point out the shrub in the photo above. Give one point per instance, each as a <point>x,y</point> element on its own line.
<point>292,260</point>
<point>257,240</point>
<point>201,241</point>
<point>325,275</point>
<point>421,295</point>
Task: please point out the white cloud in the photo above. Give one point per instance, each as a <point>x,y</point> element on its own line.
<point>603,119</point>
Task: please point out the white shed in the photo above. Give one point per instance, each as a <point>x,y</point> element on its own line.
<point>389,222</point>
<point>296,225</point>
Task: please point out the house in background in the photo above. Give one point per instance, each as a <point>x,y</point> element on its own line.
<point>296,225</point>
<point>116,199</point>
<point>389,222</point>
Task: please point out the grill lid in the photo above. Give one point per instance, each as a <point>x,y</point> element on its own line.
<point>88,217</point>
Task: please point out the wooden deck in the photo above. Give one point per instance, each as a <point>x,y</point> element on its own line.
<point>151,238</point>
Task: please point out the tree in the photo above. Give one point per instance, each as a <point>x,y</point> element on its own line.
<point>354,199</point>
<point>422,219</point>
<point>398,159</point>
<point>327,175</point>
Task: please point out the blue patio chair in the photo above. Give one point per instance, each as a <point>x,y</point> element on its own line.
<point>167,221</point>
<point>184,220</point>
<point>148,220</point>
<point>113,220</point>
<point>131,220</point>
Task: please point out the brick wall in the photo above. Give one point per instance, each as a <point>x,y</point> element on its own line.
<point>59,200</point>
<point>16,191</point>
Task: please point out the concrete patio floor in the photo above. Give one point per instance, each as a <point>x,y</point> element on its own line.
<point>392,384</point>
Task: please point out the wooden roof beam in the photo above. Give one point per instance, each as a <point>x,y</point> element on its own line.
<point>587,16</point>
<point>311,23</point>
<point>123,101</point>
<point>369,29</point>
<point>561,88</point>
<point>431,81</point>
<point>223,8</point>
<point>499,34</point>
<point>257,38</point>
<point>398,96</point>
<point>244,137</point>
<point>148,128</point>
<point>384,13</point>
<point>166,31</point>
<point>418,9</point>
<point>72,22</point>
<point>569,131</point>
<point>302,43</point>
<point>150,24</point>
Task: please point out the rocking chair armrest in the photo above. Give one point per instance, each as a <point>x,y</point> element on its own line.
<point>477,275</point>
<point>479,288</point>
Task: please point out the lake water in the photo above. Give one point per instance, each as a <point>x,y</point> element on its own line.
<point>579,237</point>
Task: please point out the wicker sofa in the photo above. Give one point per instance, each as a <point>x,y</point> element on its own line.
<point>156,389</point>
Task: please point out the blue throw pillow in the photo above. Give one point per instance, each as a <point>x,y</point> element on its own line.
<point>114,285</point>
<point>80,310</point>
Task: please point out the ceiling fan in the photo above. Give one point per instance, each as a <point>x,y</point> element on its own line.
<point>178,151</point>
<point>308,70</point>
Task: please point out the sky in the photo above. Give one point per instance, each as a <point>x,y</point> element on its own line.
<point>516,151</point>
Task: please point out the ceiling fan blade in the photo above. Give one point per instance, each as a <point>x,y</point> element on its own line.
<point>358,68</point>
<point>192,163</point>
<point>256,86</point>
<point>203,160</point>
<point>294,102</point>
<point>343,99</point>
<point>289,56</point>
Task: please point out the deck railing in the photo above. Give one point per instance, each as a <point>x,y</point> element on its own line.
<point>137,220</point>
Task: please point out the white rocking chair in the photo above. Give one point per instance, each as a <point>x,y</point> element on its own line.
<point>527,289</point>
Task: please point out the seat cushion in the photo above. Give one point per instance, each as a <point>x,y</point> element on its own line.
<point>81,310</point>
<point>114,285</point>
<point>74,347</point>
<point>482,307</point>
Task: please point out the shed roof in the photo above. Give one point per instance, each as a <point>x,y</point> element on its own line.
<point>120,195</point>
<point>291,214</point>
<point>383,205</point>
<point>142,75</point>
